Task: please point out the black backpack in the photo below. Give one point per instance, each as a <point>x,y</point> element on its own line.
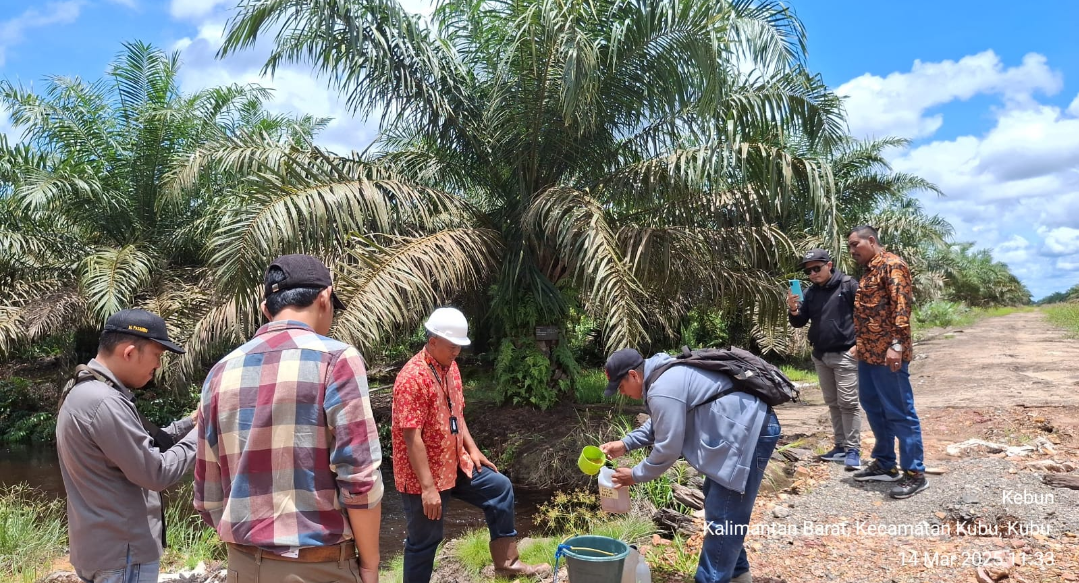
<point>749,373</point>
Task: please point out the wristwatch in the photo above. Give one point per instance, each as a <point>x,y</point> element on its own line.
<point>896,345</point>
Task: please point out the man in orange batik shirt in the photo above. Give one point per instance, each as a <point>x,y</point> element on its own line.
<point>882,310</point>
<point>435,457</point>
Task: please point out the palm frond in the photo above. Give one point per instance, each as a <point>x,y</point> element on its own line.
<point>390,283</point>
<point>576,225</point>
<point>111,277</point>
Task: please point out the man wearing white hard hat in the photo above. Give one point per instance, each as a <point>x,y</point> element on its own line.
<point>435,457</point>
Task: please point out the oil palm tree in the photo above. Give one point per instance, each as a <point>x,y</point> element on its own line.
<point>629,156</point>
<point>88,226</point>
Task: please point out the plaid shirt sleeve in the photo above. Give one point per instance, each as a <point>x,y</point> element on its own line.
<point>209,495</point>
<point>354,450</point>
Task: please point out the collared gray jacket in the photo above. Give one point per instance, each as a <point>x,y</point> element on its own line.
<point>112,473</point>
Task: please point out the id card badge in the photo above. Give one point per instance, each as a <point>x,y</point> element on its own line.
<point>453,425</point>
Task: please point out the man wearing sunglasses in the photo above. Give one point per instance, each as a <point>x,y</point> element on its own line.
<point>829,310</point>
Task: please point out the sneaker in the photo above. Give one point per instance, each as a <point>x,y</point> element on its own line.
<point>875,473</point>
<point>911,484</point>
<point>836,455</point>
<point>853,460</point>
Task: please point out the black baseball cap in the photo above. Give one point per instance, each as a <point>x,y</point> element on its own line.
<point>301,271</point>
<point>815,255</point>
<point>143,324</point>
<point>618,365</point>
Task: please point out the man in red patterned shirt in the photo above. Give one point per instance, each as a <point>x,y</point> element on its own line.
<point>435,458</point>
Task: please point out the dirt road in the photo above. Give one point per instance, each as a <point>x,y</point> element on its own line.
<point>1014,360</point>
<point>1012,380</point>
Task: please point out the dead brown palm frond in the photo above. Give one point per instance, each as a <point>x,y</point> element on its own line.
<point>392,282</point>
<point>576,225</point>
<point>30,310</point>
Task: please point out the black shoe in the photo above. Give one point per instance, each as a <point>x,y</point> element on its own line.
<point>875,473</point>
<point>911,484</point>
<point>837,454</point>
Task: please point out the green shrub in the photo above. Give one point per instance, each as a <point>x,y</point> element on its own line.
<point>941,314</point>
<point>27,411</point>
<point>524,375</point>
<point>32,532</point>
<point>1065,316</point>
<point>163,406</point>
<point>705,328</point>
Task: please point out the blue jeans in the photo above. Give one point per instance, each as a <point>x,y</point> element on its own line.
<point>888,401</point>
<point>487,490</point>
<point>132,573</point>
<point>727,513</point>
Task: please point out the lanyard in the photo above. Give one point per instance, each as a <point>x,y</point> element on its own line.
<point>445,390</point>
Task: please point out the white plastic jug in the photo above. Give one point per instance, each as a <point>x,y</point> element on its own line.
<point>629,567</point>
<point>644,574</point>
<point>611,499</point>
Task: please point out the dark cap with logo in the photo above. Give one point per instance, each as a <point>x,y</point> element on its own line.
<point>143,324</point>
<point>301,271</point>
<point>618,365</point>
<point>815,255</point>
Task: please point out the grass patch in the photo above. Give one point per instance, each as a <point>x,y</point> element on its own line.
<point>674,560</point>
<point>394,571</point>
<point>590,386</point>
<point>1064,316</point>
<point>190,540</point>
<point>33,533</point>
<point>944,314</point>
<point>799,375</point>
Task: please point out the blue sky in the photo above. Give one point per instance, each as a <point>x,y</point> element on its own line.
<point>987,91</point>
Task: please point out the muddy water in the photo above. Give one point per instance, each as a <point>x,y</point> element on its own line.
<point>39,468</point>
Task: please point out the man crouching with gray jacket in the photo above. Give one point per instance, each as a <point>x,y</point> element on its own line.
<point>113,460</point>
<point>727,436</point>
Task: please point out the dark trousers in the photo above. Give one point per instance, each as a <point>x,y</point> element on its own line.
<point>722,555</point>
<point>487,490</point>
<point>888,401</point>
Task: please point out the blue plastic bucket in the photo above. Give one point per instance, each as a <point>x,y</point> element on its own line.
<point>595,559</point>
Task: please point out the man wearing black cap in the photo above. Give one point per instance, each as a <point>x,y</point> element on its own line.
<point>829,309</point>
<point>113,460</point>
<point>728,436</point>
<point>287,468</point>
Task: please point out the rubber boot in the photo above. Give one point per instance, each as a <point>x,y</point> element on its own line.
<point>743,578</point>
<point>508,562</point>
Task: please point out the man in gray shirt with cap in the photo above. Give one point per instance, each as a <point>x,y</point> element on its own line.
<point>726,435</point>
<point>113,460</point>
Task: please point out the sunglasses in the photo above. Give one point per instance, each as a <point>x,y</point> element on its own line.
<point>813,269</point>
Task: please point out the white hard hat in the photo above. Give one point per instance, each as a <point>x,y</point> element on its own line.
<point>449,323</point>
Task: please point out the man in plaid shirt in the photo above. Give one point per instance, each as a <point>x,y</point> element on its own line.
<point>287,464</point>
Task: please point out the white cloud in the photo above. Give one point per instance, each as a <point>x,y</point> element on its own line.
<point>296,89</point>
<point>1015,250</point>
<point>1013,188</point>
<point>898,105</point>
<point>12,30</point>
<point>1061,241</point>
<point>193,9</point>
<point>1068,264</point>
